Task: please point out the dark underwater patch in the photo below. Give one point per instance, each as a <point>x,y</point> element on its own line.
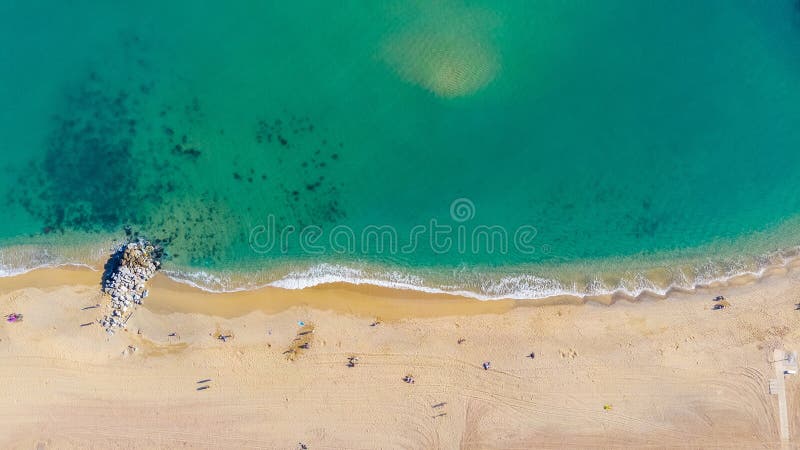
<point>87,180</point>
<point>300,148</point>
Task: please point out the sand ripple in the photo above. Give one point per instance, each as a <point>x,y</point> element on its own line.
<point>446,49</point>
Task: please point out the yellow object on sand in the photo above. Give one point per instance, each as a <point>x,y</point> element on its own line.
<point>607,407</point>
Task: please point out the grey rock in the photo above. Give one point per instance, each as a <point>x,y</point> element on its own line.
<point>133,264</point>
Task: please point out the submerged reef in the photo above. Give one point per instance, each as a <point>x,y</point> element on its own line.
<point>89,176</point>
<point>87,179</point>
<point>299,147</point>
<point>122,150</point>
<point>196,231</point>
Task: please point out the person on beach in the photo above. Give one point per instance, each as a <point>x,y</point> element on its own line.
<point>13,318</point>
<point>487,365</point>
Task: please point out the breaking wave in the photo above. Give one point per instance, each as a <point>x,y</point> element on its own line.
<point>485,285</point>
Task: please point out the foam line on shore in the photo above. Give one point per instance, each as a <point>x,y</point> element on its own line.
<point>518,287</point>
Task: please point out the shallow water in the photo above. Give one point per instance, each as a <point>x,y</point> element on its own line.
<point>600,145</point>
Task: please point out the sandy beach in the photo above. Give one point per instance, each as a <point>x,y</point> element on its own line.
<point>653,373</point>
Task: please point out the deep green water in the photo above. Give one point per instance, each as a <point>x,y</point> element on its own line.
<point>648,144</point>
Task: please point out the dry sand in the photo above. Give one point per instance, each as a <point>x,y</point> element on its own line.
<point>672,372</point>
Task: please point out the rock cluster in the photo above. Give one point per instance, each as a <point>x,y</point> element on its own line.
<point>127,273</point>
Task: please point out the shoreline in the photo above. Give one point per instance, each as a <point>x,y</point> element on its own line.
<point>605,279</point>
<point>287,297</point>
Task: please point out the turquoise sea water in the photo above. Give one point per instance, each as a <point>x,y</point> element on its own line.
<point>635,145</point>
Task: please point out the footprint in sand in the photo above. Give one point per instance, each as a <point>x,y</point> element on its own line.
<point>570,353</point>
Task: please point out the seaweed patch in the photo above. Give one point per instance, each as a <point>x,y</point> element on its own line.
<point>300,148</point>
<point>88,178</point>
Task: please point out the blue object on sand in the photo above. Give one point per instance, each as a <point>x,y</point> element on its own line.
<point>301,323</point>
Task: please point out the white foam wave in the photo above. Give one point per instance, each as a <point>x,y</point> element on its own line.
<point>19,261</point>
<point>515,287</point>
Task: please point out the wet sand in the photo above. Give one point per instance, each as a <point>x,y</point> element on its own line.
<point>653,373</point>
